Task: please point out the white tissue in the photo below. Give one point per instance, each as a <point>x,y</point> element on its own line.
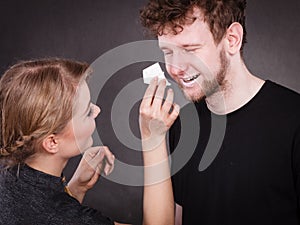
<point>154,71</point>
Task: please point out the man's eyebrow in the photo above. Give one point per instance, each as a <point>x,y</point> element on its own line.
<point>164,48</point>
<point>191,45</point>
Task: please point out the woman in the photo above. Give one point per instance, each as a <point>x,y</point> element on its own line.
<point>47,118</point>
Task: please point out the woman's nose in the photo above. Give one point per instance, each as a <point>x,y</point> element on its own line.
<point>96,110</point>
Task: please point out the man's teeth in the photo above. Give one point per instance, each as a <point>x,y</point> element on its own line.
<point>189,79</point>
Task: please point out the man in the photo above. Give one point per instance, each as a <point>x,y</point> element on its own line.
<point>254,177</point>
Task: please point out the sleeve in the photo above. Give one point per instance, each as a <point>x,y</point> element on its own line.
<point>68,211</point>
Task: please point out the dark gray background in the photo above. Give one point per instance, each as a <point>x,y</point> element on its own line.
<point>86,29</point>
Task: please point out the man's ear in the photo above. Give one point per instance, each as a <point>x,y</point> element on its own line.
<point>234,37</point>
<point>50,144</point>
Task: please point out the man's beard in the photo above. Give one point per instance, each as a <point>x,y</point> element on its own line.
<point>209,87</point>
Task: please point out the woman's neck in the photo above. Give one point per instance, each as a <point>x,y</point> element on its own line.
<point>46,163</point>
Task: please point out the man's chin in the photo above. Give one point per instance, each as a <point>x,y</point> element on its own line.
<point>193,97</point>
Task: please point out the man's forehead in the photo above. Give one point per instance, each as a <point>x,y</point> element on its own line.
<point>194,35</point>
<point>165,44</point>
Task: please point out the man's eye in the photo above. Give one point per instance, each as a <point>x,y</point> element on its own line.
<point>167,53</point>
<point>189,50</point>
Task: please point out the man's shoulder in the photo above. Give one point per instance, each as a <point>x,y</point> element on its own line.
<point>280,90</point>
<point>281,96</point>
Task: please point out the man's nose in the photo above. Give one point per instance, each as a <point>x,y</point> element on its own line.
<point>177,65</point>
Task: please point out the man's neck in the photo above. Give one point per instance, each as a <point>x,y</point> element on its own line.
<point>239,88</point>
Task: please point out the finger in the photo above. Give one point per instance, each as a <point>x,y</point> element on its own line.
<point>168,103</point>
<point>90,153</point>
<point>159,95</point>
<point>98,169</point>
<point>109,166</point>
<point>174,114</point>
<point>108,162</point>
<point>150,92</point>
<point>97,161</point>
<point>94,179</point>
<point>108,154</point>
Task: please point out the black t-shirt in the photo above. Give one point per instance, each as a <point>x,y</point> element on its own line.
<point>31,197</point>
<point>254,178</point>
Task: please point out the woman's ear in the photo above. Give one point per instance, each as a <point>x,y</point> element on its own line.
<point>234,37</point>
<point>50,144</point>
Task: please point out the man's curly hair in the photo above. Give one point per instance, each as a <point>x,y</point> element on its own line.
<point>218,14</point>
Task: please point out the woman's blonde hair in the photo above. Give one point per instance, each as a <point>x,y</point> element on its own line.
<point>36,99</point>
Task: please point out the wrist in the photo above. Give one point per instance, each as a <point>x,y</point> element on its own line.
<point>75,190</point>
<point>152,142</point>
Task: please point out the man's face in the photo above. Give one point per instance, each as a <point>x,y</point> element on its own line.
<point>193,60</point>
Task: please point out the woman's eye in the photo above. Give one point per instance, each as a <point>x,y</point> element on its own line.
<point>91,112</point>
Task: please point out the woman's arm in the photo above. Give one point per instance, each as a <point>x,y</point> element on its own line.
<point>156,117</point>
